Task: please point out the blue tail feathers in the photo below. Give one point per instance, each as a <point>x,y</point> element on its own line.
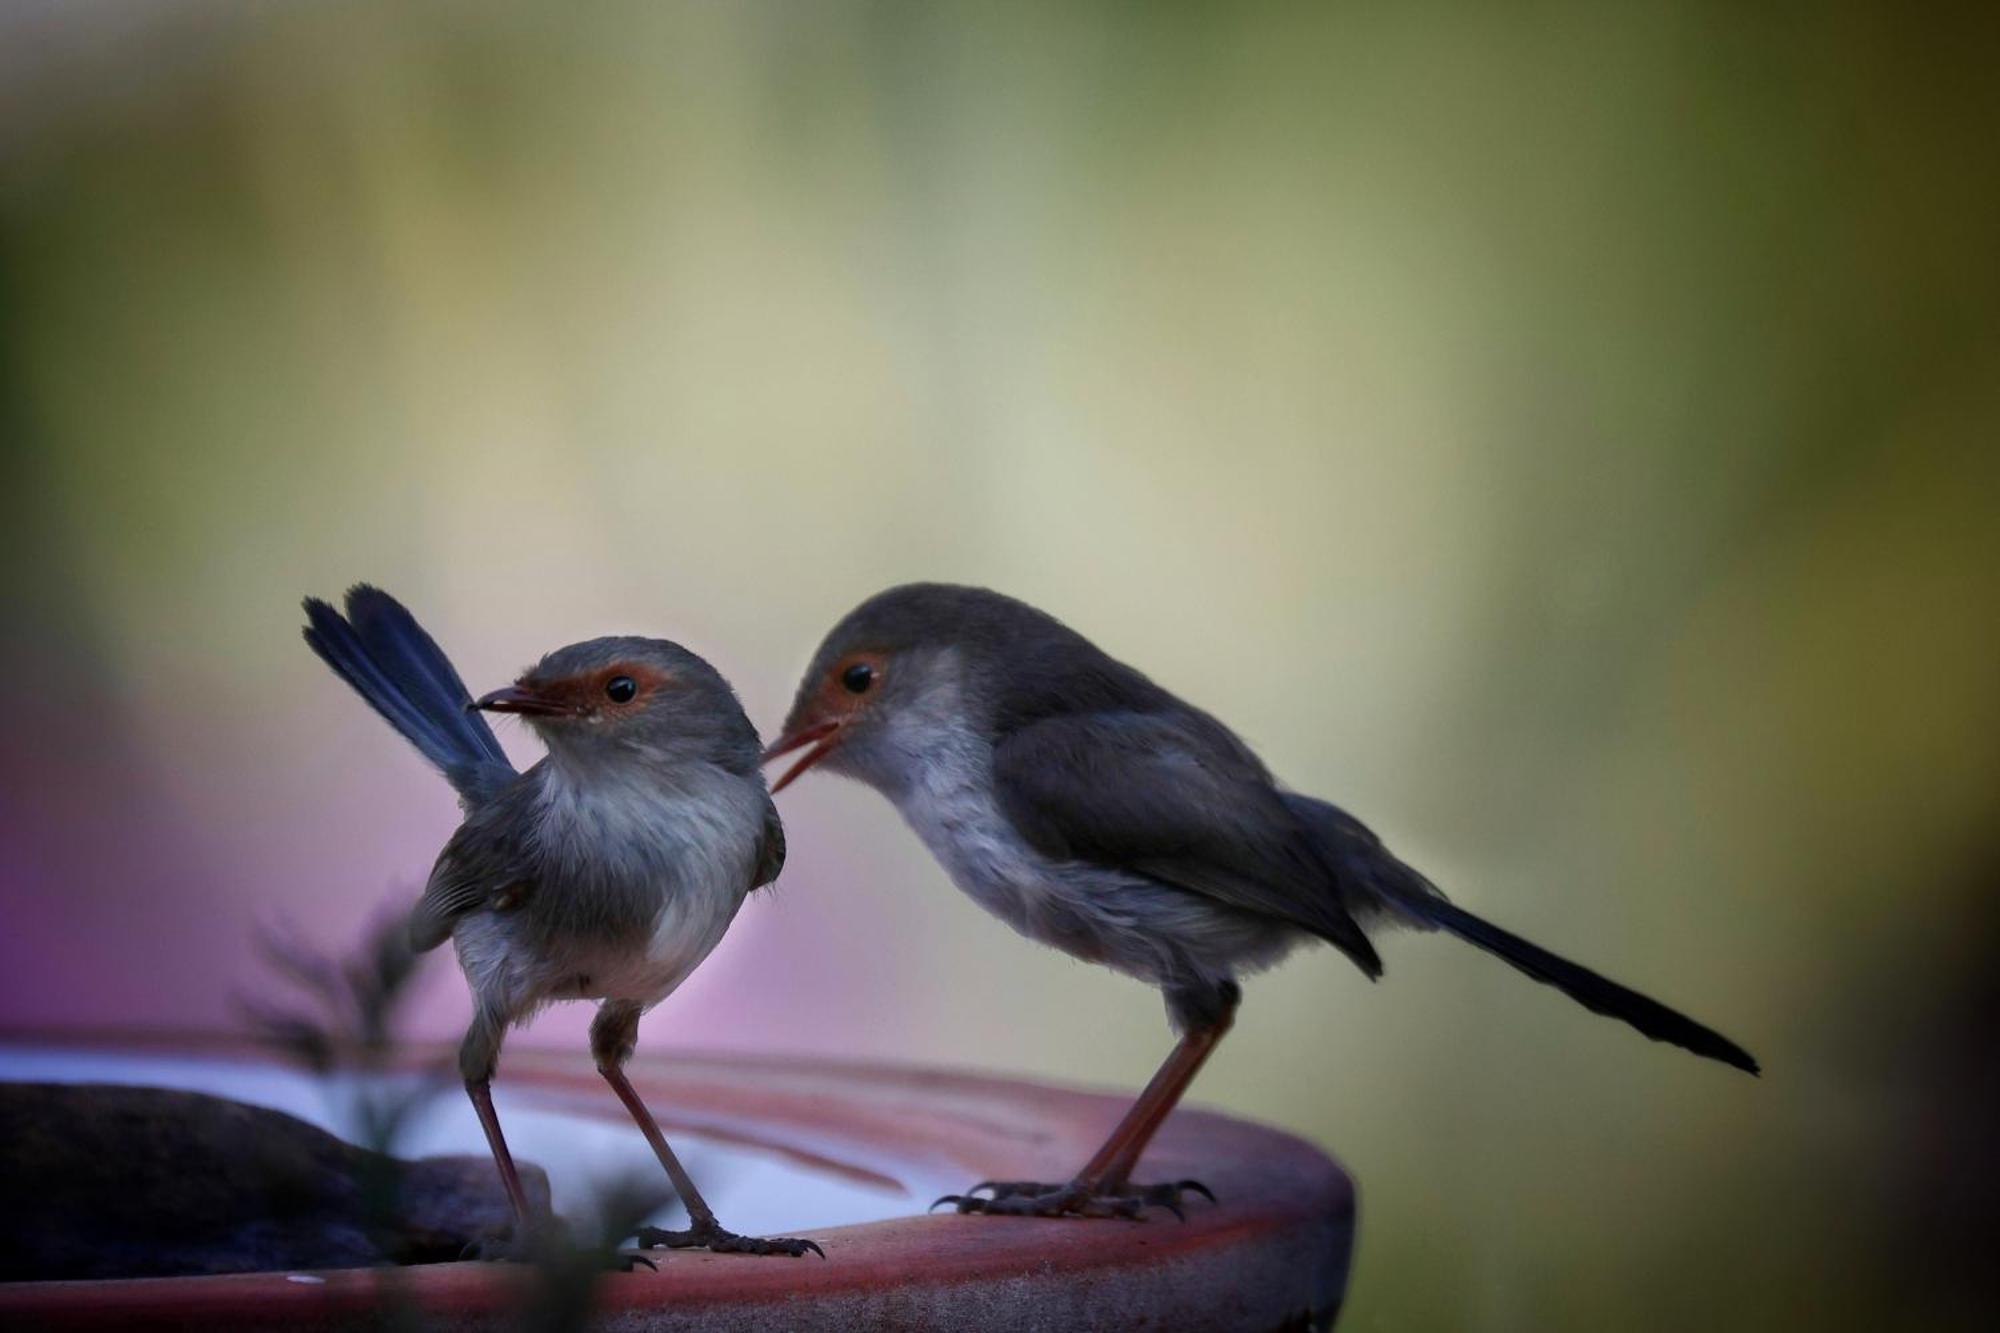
<point>379,649</point>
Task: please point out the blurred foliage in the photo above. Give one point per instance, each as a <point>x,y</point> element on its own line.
<point>345,1027</point>
<point>1563,433</point>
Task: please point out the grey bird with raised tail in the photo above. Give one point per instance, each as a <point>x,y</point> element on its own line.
<point>607,871</point>
<point>1092,810</point>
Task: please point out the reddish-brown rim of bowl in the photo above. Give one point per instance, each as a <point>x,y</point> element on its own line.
<point>1286,1213</point>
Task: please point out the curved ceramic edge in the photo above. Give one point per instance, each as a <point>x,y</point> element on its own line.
<point>1273,1253</point>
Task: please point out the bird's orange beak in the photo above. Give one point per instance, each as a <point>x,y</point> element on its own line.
<point>822,736</point>
<point>520,699</point>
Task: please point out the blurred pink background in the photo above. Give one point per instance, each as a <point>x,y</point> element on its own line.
<point>1567,440</point>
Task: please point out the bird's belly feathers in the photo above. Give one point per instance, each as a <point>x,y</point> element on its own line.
<point>520,961</point>
<point>1097,913</point>
<point>688,920</point>
<point>634,893</point>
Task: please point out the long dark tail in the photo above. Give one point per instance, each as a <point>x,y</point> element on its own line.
<point>380,650</point>
<point>1374,876</point>
<point>1598,994</point>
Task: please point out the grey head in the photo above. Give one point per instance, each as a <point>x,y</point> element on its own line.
<point>930,664</point>
<point>629,699</point>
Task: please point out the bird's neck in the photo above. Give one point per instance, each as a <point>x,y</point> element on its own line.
<point>613,771</point>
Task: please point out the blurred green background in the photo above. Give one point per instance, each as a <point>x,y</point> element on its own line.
<point>1563,433</point>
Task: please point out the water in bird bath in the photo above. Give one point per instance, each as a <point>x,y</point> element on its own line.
<point>753,1191</point>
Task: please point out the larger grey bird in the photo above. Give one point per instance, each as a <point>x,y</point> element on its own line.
<point>1092,810</point>
<point>607,871</point>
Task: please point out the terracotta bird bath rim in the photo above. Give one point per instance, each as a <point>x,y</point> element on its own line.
<point>1272,1253</point>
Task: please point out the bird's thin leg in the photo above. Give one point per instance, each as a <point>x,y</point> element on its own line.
<point>613,1035</point>
<point>698,1210</point>
<point>1111,1166</point>
<point>481,1093</point>
<point>1103,1187</point>
<point>478,1056</point>
<point>532,1233</point>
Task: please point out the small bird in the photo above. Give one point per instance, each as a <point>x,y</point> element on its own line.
<point>1092,810</point>
<point>607,871</point>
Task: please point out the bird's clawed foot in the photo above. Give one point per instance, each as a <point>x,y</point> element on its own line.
<point>1028,1198</point>
<point>710,1236</point>
<point>545,1241</point>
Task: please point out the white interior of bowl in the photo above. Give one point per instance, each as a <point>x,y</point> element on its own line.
<point>753,1192</point>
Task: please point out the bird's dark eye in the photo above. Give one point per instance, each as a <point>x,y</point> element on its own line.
<point>621,689</point>
<point>858,678</point>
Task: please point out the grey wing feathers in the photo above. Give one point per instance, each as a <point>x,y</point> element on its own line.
<point>1178,800</point>
<point>476,868</point>
<point>1372,879</point>
<point>770,847</point>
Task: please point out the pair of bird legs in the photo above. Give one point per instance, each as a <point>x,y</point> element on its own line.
<point>613,1035</point>
<point>1104,1187</point>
